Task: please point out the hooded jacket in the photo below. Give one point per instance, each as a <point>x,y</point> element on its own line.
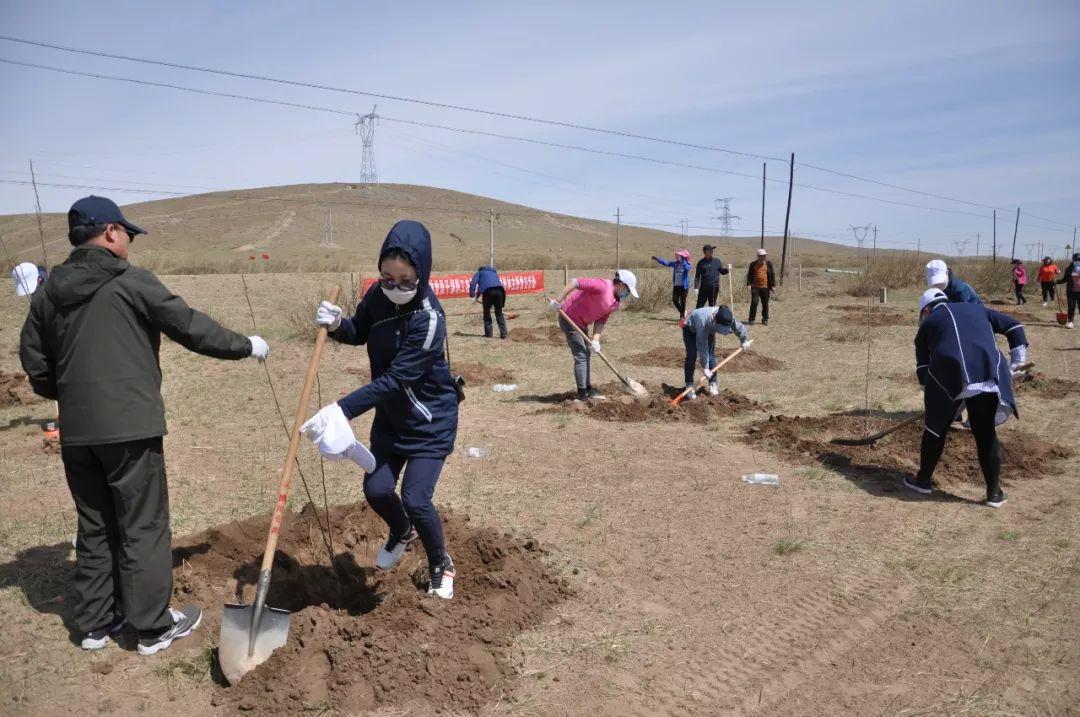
<point>91,342</point>
<point>955,350</point>
<point>486,277</point>
<point>411,389</point>
<point>960,292</point>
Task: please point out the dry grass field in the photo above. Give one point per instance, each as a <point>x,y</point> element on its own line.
<point>682,589</point>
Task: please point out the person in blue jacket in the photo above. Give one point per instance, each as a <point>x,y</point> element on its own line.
<point>699,339</point>
<point>413,394</point>
<point>958,364</point>
<point>680,279</point>
<point>488,287</point>
<point>940,276</point>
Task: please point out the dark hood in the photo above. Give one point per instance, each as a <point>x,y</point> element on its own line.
<point>86,270</point>
<point>414,240</point>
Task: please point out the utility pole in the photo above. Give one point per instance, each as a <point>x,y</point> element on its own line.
<point>787,221</point>
<point>995,236</point>
<point>37,212</point>
<point>491,241</point>
<point>763,165</point>
<point>1016,228</point>
<point>918,249</point>
<point>875,241</point>
<point>618,237</point>
<point>977,238</point>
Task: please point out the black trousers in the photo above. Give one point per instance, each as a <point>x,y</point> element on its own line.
<point>707,295</point>
<point>494,298</point>
<point>678,299</point>
<point>981,410</point>
<point>1074,301</point>
<point>761,295</point>
<point>1020,298</point>
<point>123,556</point>
<point>1048,291</point>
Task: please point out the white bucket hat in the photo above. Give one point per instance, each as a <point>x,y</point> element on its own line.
<point>26,278</point>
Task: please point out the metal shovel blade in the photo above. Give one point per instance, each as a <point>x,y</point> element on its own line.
<point>234,644</point>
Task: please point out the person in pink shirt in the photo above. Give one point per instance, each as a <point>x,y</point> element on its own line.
<point>590,302</point>
<point>1019,273</point>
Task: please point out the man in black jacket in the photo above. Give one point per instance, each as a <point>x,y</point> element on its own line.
<point>707,277</point>
<point>91,342</point>
<point>761,280</point>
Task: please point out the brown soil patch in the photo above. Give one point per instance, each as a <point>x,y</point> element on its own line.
<point>538,335</point>
<point>15,390</point>
<point>372,640</point>
<point>1022,316</point>
<point>857,317</point>
<point>897,455</point>
<point>1043,386</point>
<point>619,407</point>
<point>672,357</point>
<point>479,374</point>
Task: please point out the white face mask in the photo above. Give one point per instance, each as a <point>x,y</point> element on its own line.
<point>399,296</point>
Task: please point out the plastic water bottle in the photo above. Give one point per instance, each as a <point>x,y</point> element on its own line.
<point>476,452</point>
<point>504,387</point>
<point>762,479</point>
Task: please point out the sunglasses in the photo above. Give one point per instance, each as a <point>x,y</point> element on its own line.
<point>390,284</point>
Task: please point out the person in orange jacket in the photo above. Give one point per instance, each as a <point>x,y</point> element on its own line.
<point>1048,274</point>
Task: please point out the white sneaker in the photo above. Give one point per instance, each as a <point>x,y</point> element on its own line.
<point>1069,325</point>
<point>692,395</point>
<point>184,622</point>
<point>714,390</point>
<point>394,550</point>
<point>97,639</point>
<point>441,579</point>
<point>1044,303</point>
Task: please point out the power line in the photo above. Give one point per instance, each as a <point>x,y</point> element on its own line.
<point>397,98</point>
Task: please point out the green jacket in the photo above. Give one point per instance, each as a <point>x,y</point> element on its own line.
<point>91,341</point>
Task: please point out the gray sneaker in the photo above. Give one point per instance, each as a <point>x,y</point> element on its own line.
<point>184,622</point>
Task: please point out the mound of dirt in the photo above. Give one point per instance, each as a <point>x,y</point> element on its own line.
<point>361,640</point>
<point>15,390</point>
<point>619,407</point>
<point>537,335</point>
<point>877,317</point>
<point>478,374</point>
<point>672,357</point>
<point>897,455</point>
<point>1025,317</point>
<point>1043,386</point>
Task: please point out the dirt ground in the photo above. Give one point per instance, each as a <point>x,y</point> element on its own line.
<point>673,357</point>
<point>605,567</point>
<point>15,390</point>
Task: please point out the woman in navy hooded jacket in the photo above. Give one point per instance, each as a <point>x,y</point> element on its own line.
<point>412,392</point>
<point>958,363</point>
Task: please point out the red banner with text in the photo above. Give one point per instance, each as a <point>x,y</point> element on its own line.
<point>456,286</point>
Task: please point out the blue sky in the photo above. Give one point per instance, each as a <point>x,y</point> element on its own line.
<point>972,100</point>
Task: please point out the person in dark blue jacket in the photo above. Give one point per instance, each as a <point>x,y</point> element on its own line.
<point>487,286</point>
<point>940,276</point>
<point>412,392</point>
<point>958,364</point>
<point>680,278</point>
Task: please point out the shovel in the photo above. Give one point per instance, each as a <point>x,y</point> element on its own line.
<point>1062,315</point>
<point>249,633</point>
<point>870,440</point>
<point>701,384</point>
<point>630,384</point>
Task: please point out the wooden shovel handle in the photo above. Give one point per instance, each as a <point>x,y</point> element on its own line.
<point>294,441</point>
<point>679,399</point>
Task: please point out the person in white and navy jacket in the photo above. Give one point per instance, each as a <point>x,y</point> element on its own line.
<point>958,364</point>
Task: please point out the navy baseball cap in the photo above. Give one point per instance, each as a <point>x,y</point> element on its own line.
<point>92,210</point>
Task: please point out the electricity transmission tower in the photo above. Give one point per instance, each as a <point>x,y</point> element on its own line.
<point>1030,248</point>
<point>723,205</point>
<point>860,233</point>
<point>960,244</point>
<point>365,127</point>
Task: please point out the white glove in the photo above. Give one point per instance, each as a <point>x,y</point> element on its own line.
<point>708,372</point>
<point>695,291</point>
<point>1017,357</point>
<point>554,305</point>
<point>331,433</point>
<point>259,348</point>
<point>746,344</point>
<point>596,345</point>
<point>328,315</point>
<point>361,456</point>
<point>729,267</point>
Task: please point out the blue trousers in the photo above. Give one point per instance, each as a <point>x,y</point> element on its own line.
<point>414,507</point>
<point>689,339</point>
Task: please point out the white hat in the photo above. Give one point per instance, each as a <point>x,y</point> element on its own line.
<point>762,252</point>
<point>627,277</point>
<point>930,296</point>
<point>936,272</point>
<point>26,278</point>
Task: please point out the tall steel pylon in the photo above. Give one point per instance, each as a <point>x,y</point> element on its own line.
<point>723,205</point>
<point>365,127</point>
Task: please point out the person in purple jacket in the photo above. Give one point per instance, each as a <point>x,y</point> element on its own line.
<point>413,394</point>
<point>680,279</point>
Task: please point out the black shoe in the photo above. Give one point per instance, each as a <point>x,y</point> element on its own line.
<point>594,394</point>
<point>997,501</point>
<point>764,322</point>
<point>441,579</point>
<point>583,394</point>
<point>184,622</point>
<point>914,484</point>
<point>98,639</point>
